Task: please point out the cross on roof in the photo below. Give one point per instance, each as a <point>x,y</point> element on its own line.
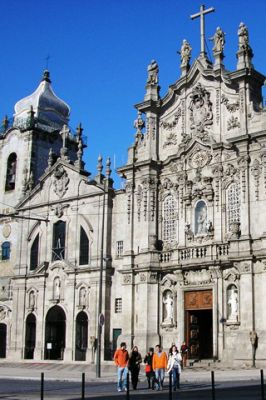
<point>201,14</point>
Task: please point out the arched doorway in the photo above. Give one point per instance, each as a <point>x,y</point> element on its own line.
<point>81,336</point>
<point>2,340</point>
<point>55,333</point>
<point>30,337</point>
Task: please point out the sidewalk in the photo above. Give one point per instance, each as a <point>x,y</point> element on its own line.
<point>73,372</point>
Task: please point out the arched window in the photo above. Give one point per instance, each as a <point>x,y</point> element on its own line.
<point>83,248</point>
<point>34,253</point>
<point>232,303</point>
<point>11,172</point>
<point>201,218</point>
<point>169,218</point>
<point>5,250</point>
<point>233,203</point>
<point>59,237</point>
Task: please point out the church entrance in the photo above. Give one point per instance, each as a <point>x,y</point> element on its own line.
<point>55,333</point>
<point>30,337</point>
<point>2,340</point>
<point>81,336</point>
<point>199,324</point>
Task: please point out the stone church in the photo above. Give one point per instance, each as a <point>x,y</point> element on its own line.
<point>178,254</point>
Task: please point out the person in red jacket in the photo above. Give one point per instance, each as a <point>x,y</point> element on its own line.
<point>159,364</point>
<point>121,361</point>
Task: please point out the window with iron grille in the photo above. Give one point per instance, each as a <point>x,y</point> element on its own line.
<point>119,248</point>
<point>169,218</point>
<point>59,237</point>
<point>118,305</point>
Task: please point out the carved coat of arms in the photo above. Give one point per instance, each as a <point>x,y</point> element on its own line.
<point>201,115</point>
<point>60,181</point>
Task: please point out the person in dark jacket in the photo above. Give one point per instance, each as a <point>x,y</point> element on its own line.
<point>148,368</point>
<point>134,366</point>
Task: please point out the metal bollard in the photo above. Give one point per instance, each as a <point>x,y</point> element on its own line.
<point>170,386</point>
<point>42,379</point>
<point>83,386</point>
<point>213,385</point>
<point>262,384</point>
<point>127,395</point>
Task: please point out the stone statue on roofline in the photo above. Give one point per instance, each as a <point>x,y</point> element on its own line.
<point>185,53</point>
<point>243,39</point>
<point>218,41</point>
<point>153,70</point>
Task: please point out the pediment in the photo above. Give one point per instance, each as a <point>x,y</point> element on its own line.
<point>60,184</point>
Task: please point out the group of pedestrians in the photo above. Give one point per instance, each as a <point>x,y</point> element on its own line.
<point>156,361</point>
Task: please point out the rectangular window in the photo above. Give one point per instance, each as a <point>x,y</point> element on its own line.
<point>118,305</point>
<point>119,248</point>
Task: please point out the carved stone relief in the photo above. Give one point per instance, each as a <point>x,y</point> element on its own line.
<point>199,159</point>
<point>199,277</point>
<point>231,107</point>
<point>201,116</point>
<point>60,181</point>
<point>233,123</point>
<point>256,171</point>
<point>171,140</point>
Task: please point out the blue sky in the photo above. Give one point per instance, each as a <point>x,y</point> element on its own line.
<point>99,51</point>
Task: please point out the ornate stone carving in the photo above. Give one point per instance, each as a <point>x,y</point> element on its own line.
<point>139,196</point>
<point>263,160</point>
<point>217,171</point>
<point>243,165</point>
<point>231,107</point>
<point>127,279</point>
<point>151,127</point>
<point>174,122</point>
<point>60,181</point>
<point>201,115</point>
<point>185,54</point>
<point>142,277</point>
<point>171,140</point>
<point>129,191</point>
<point>199,277</point>
<point>233,123</point>
<point>199,158</point>
<point>256,171</point>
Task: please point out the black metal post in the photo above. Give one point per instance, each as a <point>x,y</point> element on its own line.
<point>262,384</point>
<point>170,386</point>
<point>213,386</point>
<point>42,379</point>
<point>83,386</point>
<point>127,396</point>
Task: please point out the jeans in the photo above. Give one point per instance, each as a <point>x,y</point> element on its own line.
<point>175,377</point>
<point>122,378</point>
<point>159,375</point>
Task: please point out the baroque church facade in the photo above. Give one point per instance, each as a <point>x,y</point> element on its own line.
<point>178,255</point>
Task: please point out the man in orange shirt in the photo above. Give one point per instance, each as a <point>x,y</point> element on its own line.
<point>121,361</point>
<point>159,364</point>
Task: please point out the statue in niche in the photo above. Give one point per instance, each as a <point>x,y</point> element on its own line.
<point>82,297</point>
<point>185,53</point>
<point>201,218</point>
<point>168,306</point>
<point>57,285</point>
<point>218,40</point>
<point>32,299</point>
<point>232,303</point>
<point>243,40</point>
<point>153,70</point>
